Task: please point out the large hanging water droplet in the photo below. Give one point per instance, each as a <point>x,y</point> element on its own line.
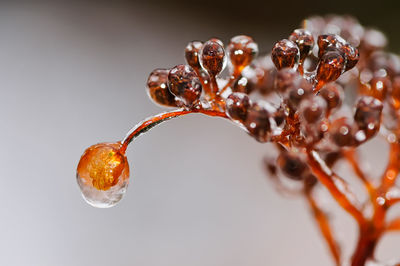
<point>103,175</point>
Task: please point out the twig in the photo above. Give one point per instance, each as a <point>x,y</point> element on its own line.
<point>324,226</point>
<point>337,187</point>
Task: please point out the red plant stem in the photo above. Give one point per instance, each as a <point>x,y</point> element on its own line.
<point>371,231</point>
<point>392,170</point>
<point>365,247</point>
<point>151,122</point>
<point>352,159</point>
<point>369,234</point>
<point>394,225</point>
<point>337,187</point>
<point>301,67</point>
<point>393,201</point>
<point>205,84</point>
<point>324,226</point>
<point>214,86</point>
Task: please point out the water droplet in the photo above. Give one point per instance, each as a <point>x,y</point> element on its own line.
<point>285,53</point>
<point>103,175</point>
<point>212,57</point>
<point>185,84</point>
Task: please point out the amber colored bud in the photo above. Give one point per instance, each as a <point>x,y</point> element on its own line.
<point>378,60</point>
<point>352,31</point>
<point>330,67</point>
<point>257,122</point>
<point>304,40</point>
<point>265,80</point>
<point>102,166</point>
<point>157,88</point>
<point>185,84</point>
<point>242,50</point>
<point>212,57</point>
<point>297,92</point>
<point>286,78</point>
<point>293,165</point>
<point>314,24</point>
<point>245,85</point>
<point>368,114</point>
<point>341,132</point>
<point>329,42</point>
<point>373,40</point>
<point>332,94</point>
<point>315,131</point>
<point>192,52</point>
<point>312,109</point>
<point>310,181</point>
<point>285,53</point>
<point>377,87</point>
<point>332,157</point>
<point>237,105</point>
<point>393,65</point>
<point>351,54</point>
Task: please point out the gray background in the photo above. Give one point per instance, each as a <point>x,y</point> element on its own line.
<point>72,74</point>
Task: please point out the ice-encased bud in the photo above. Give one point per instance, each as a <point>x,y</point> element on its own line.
<point>103,175</point>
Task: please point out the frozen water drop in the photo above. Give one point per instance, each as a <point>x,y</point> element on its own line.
<point>102,198</point>
<point>103,175</point>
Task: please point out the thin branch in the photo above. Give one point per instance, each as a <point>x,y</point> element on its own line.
<point>337,187</point>
<point>352,158</point>
<point>393,201</point>
<point>394,225</point>
<point>393,196</point>
<point>323,223</point>
<point>392,169</point>
<point>153,121</point>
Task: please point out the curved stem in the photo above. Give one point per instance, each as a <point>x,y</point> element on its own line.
<point>153,121</point>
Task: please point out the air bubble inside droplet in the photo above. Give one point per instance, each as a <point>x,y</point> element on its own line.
<point>102,198</point>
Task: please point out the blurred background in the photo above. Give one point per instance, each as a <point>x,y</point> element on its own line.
<point>73,74</point>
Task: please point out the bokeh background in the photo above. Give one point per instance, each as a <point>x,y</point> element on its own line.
<point>73,73</point>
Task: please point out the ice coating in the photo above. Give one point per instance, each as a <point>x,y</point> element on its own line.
<point>103,174</point>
